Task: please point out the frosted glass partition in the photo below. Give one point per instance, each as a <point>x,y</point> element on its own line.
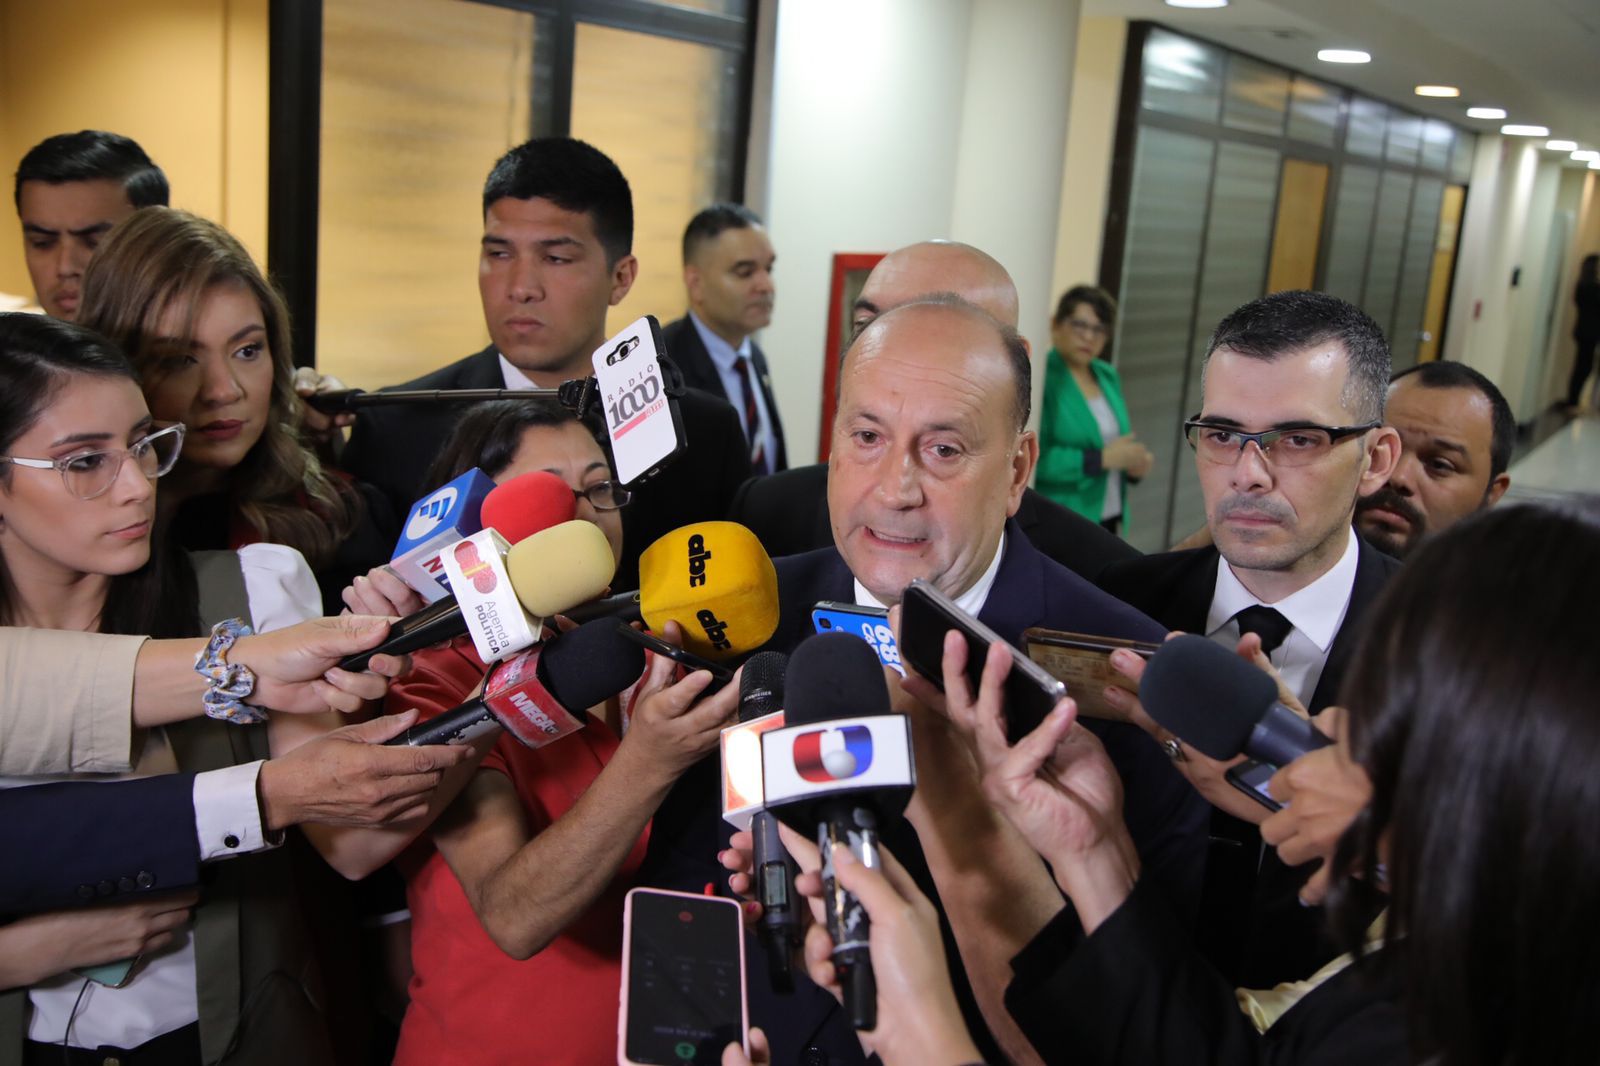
<point>1182,77</point>
<point>1437,140</point>
<point>1256,97</point>
<point>1161,266</point>
<point>1352,232</point>
<point>1313,111</point>
<point>1405,139</point>
<point>1366,124</point>
<point>1411,299</point>
<point>1388,241</point>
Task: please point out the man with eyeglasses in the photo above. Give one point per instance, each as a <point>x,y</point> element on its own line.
<point>1289,436</point>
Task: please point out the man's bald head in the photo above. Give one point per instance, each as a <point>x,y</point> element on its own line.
<point>929,267</point>
<point>1000,339</point>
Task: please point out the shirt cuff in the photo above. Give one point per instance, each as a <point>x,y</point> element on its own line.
<point>227,815</point>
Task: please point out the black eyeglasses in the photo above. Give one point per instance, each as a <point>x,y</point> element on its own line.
<point>1300,444</point>
<point>91,474</point>
<point>604,495</point>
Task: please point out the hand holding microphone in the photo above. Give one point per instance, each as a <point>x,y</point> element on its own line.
<point>542,694</point>
<point>841,768</point>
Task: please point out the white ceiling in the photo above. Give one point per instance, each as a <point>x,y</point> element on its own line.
<point>1538,59</point>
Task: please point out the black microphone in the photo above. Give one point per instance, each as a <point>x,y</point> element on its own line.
<point>575,395</point>
<point>623,606</point>
<point>841,767</point>
<point>1215,701</point>
<point>761,694</point>
<point>544,693</point>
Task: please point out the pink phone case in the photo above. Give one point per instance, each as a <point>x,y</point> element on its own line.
<point>627,961</point>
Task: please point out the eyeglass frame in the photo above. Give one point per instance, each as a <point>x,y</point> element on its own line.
<point>1087,329</point>
<point>616,490</point>
<point>1336,434</point>
<point>123,454</point>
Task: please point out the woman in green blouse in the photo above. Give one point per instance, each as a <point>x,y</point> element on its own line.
<point>1087,455</point>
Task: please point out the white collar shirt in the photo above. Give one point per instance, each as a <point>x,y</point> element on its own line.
<point>1316,612</point>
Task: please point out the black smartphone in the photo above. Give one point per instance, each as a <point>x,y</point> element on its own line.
<point>720,675</point>
<point>1251,777</point>
<point>926,615</point>
<point>683,965</point>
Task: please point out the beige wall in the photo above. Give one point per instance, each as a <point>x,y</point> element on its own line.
<point>1091,136</point>
<point>187,79</point>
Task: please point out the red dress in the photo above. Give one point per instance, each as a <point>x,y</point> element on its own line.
<point>470,1002</point>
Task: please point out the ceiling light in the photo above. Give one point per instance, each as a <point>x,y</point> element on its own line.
<point>1344,55</point>
<point>1594,164</point>
<point>1586,154</point>
<point>1437,90</point>
<point>1197,3</point>
<point>1561,146</point>
<point>1486,112</point>
<point>1513,129</point>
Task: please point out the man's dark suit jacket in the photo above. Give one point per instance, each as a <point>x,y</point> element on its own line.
<point>391,447</point>
<point>82,842</point>
<point>688,351</point>
<point>1175,588</point>
<point>788,512</point>
<point>1252,924</point>
<point>1167,818</point>
<point>1138,992</point>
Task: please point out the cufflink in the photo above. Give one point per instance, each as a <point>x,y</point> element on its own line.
<point>230,841</point>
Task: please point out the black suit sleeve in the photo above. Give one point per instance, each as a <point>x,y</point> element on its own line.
<point>1137,991</point>
<point>76,842</point>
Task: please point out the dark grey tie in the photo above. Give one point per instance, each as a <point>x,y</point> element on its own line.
<point>1272,627</point>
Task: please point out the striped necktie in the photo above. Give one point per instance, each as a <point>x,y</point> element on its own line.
<point>754,430</point>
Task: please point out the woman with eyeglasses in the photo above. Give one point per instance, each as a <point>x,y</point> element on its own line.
<point>209,338</point>
<point>1087,452</point>
<point>79,457</point>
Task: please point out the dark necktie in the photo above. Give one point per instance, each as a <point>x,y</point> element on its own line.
<point>1266,623</point>
<point>752,416</point>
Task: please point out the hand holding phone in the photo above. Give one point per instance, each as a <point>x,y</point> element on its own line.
<point>926,615</point>
<point>683,972</point>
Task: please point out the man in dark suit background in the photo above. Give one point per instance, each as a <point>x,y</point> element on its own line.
<point>1290,435</point>
<point>930,455</point>
<point>789,512</point>
<point>727,270</point>
<point>556,254</point>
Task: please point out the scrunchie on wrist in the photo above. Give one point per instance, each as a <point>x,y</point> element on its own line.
<point>228,683</point>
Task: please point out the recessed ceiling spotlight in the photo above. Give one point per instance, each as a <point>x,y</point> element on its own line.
<point>1589,154</point>
<point>1486,112</point>
<point>1443,91</point>
<point>1514,129</point>
<point>1344,55</point>
<point>1561,146</point>
<point>1197,3</point>
<point>1594,164</point>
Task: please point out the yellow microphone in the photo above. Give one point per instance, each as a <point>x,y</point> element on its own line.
<point>717,582</point>
<point>558,567</point>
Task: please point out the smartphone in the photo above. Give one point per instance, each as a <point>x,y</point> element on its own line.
<point>720,675</point>
<point>1251,777</point>
<point>1082,662</point>
<point>871,624</point>
<point>111,974</point>
<point>926,615</point>
<point>683,964</point>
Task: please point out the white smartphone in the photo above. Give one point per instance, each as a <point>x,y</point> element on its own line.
<point>682,996</point>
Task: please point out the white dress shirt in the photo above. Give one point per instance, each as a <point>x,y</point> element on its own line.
<point>1316,612</point>
<point>725,358</point>
<point>162,995</point>
<point>971,601</point>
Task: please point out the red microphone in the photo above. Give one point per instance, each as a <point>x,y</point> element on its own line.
<point>544,693</point>
<point>516,509</point>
